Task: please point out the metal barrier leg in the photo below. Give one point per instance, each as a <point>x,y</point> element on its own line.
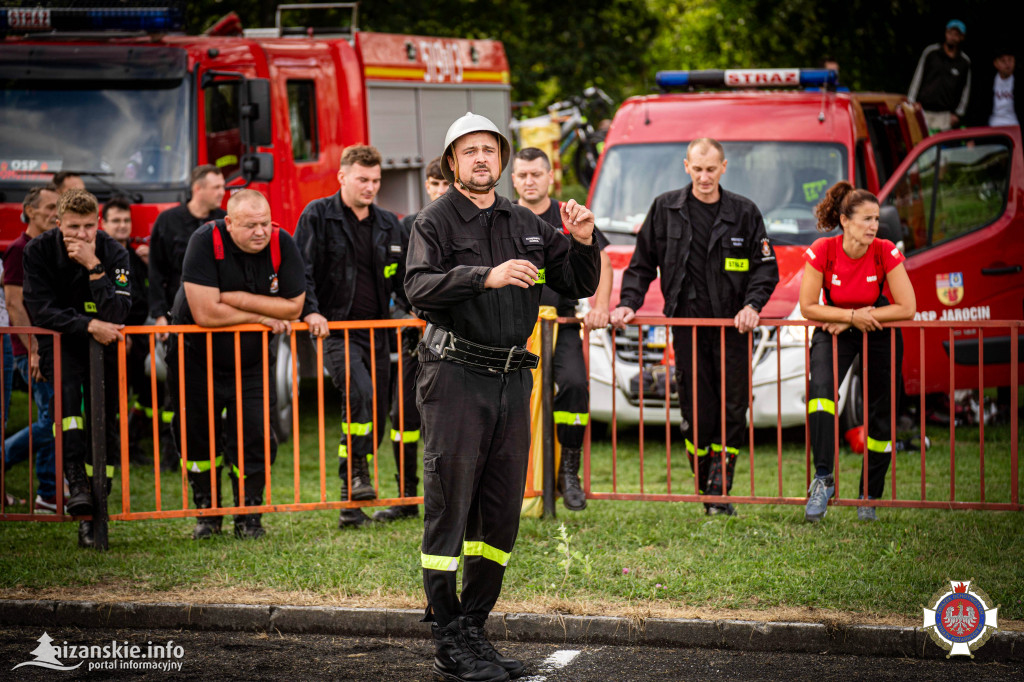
<point>547,332</point>
<point>98,435</point>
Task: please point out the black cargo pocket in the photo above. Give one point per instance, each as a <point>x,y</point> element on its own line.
<point>426,379</point>
<point>433,488</point>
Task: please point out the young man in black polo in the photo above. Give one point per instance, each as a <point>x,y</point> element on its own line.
<point>240,270</point>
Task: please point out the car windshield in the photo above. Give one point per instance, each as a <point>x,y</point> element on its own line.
<point>133,135</point>
<point>784,179</point>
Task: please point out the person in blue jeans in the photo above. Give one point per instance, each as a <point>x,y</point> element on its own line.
<point>16,448</point>
<point>39,210</point>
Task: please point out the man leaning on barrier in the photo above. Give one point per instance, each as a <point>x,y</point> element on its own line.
<point>77,282</point>
<point>239,270</point>
<point>715,260</point>
<point>355,260</point>
<point>474,262</point>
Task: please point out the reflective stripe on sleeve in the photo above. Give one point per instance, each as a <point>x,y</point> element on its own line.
<point>477,548</point>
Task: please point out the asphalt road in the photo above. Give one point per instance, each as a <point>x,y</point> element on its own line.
<point>259,656</point>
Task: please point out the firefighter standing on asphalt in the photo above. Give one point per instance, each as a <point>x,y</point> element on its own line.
<point>355,261</point>
<point>532,177</point>
<point>851,269</point>
<point>78,283</point>
<point>239,270</point>
<point>715,259</point>
<point>405,417</point>
<point>474,262</point>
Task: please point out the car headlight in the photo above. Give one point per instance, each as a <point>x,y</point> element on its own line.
<point>793,335</point>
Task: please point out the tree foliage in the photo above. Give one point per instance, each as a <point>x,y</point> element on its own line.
<point>618,45</point>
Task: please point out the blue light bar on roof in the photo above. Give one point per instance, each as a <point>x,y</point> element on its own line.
<point>747,78</point>
<point>147,19</point>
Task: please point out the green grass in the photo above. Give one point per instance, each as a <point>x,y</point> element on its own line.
<point>765,557</point>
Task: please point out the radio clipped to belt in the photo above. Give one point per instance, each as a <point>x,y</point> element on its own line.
<point>447,346</point>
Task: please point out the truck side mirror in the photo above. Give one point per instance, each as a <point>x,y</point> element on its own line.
<point>255,113</point>
<point>258,167</point>
<point>889,226</point>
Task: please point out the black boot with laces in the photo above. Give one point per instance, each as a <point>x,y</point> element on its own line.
<point>482,647</point>
<point>455,660</point>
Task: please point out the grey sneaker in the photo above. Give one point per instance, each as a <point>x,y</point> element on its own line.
<point>821,491</point>
<point>866,513</point>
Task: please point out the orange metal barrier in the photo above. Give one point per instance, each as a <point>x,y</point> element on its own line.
<point>777,497</point>
<point>34,514</point>
<point>161,509</point>
<point>148,333</point>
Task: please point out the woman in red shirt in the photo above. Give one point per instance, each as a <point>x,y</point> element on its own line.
<point>842,287</point>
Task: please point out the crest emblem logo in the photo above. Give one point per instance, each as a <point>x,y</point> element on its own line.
<point>949,287</point>
<point>960,618</point>
<point>121,277</point>
<point>766,247</point>
<point>273,284</point>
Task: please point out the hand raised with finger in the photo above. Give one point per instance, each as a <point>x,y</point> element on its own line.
<point>579,220</point>
<point>517,272</point>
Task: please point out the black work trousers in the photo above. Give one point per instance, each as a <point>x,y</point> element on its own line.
<point>476,429</point>
<point>75,419</point>
<point>223,413</point>
<point>821,404</point>
<point>707,447</point>
<point>572,387</point>
<point>405,416</point>
<point>358,366</point>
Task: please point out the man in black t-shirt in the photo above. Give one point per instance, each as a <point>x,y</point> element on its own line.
<point>715,260</point>
<point>240,270</point>
<point>532,178</point>
<point>355,260</point>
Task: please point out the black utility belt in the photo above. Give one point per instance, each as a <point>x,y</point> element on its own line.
<point>448,346</point>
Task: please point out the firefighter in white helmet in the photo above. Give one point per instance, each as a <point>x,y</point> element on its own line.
<point>476,267</point>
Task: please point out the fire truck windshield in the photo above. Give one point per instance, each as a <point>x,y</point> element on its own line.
<point>133,133</point>
<point>784,179</point>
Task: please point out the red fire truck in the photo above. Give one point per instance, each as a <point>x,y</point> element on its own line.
<point>125,99</point>
<point>952,200</point>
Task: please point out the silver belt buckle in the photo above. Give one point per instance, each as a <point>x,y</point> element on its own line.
<point>508,360</point>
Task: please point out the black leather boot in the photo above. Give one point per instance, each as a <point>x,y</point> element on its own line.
<point>251,527</point>
<point>86,538</point>
<point>206,526</point>
<point>362,484</point>
<point>573,496</point>
<point>481,646</point>
<point>351,518</point>
<point>80,501</point>
<point>401,511</point>
<point>455,660</point>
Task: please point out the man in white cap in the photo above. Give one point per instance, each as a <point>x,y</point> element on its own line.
<point>942,81</point>
<point>475,268</point>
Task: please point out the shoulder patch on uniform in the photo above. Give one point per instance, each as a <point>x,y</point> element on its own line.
<point>810,253</point>
<point>121,277</point>
<point>895,252</point>
<point>533,239</point>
